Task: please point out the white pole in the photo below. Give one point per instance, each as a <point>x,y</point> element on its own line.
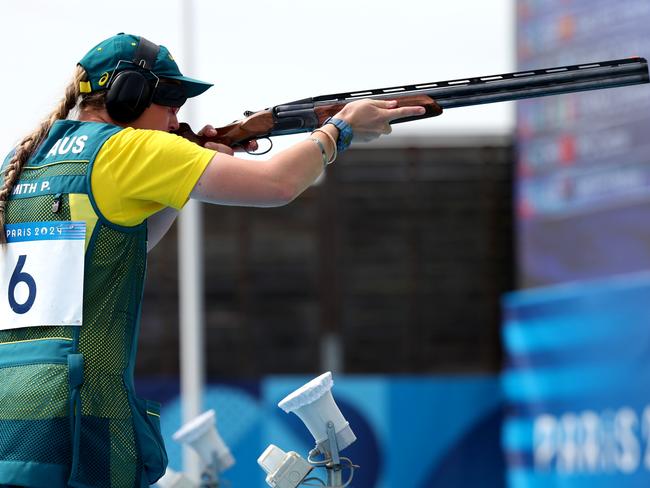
<point>190,255</point>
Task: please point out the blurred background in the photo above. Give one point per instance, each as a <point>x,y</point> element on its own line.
<point>476,282</point>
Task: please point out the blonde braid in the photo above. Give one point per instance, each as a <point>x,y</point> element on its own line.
<point>28,145</point>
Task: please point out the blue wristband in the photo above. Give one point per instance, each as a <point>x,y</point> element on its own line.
<point>345,133</point>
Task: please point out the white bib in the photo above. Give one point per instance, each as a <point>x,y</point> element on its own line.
<point>41,274</point>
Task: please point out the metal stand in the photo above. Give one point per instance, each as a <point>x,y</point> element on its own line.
<point>334,469</point>
<point>210,475</point>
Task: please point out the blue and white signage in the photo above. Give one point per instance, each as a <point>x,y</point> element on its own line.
<point>576,385</point>
<point>41,274</point>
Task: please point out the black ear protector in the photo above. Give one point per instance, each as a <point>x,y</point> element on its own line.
<point>131,90</point>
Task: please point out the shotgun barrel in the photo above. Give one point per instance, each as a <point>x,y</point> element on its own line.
<point>514,86</point>
<point>506,87</point>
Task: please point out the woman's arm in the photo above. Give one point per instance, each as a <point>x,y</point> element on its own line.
<point>228,180</point>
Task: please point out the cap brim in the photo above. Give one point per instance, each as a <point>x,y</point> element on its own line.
<point>193,87</point>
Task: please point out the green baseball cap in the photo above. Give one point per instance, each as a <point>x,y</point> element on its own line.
<point>104,59</point>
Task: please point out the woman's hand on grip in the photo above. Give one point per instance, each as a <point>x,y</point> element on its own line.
<point>210,131</point>
<point>370,119</point>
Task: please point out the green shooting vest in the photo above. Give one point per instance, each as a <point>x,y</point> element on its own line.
<point>68,411</point>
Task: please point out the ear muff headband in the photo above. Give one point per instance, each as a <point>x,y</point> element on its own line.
<point>145,54</point>
<point>130,90</point>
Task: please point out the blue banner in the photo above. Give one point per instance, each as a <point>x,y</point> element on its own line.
<point>576,385</point>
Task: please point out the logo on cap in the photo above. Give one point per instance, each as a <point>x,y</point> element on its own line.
<point>104,79</point>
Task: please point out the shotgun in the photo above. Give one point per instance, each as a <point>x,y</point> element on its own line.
<point>308,114</point>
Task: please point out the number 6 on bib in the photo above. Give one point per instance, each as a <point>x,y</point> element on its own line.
<point>41,274</point>
<point>19,276</point>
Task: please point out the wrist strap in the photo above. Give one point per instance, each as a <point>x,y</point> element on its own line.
<point>345,133</point>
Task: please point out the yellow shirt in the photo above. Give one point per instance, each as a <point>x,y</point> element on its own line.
<point>138,172</point>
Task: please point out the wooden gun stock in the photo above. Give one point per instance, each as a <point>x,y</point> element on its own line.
<point>258,125</point>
